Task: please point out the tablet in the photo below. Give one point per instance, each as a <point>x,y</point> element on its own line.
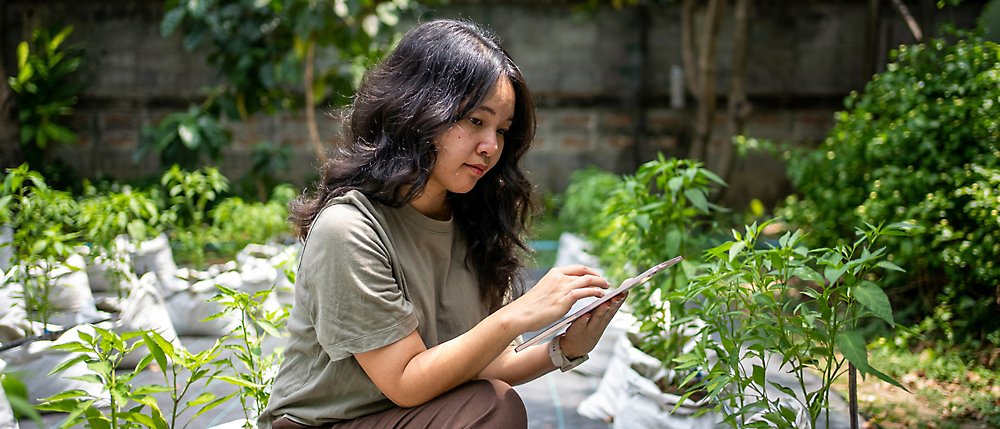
<point>625,286</point>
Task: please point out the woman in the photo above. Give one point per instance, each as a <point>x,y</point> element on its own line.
<point>412,240</point>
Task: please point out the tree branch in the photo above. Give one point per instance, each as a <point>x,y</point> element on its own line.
<point>310,64</point>
<point>910,22</point>
<point>706,70</point>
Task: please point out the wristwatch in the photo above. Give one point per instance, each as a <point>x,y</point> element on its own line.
<point>559,359</point>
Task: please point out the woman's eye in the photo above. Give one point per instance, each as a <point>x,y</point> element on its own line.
<point>475,121</point>
<point>501,131</point>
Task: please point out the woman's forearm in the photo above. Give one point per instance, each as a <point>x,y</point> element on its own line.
<point>410,374</point>
<point>520,367</point>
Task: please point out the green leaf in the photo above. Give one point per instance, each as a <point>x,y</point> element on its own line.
<point>238,381</point>
<point>171,19</point>
<point>759,375</point>
<point>69,394</point>
<point>784,389</point>
<point>67,363</point>
<point>154,349</point>
<point>832,274</point>
<point>100,367</point>
<point>202,399</point>
<point>697,199</point>
<point>808,274</point>
<point>736,249</point>
<point>64,405</point>
<point>150,389</point>
<point>214,404</point>
<point>22,61</point>
<point>852,345</point>
<point>874,299</point>
<point>59,38</point>
<point>884,377</point>
<point>890,266</point>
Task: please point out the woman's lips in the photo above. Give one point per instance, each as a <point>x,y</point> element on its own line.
<point>477,169</point>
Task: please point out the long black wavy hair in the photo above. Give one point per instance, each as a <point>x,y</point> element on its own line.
<point>438,74</point>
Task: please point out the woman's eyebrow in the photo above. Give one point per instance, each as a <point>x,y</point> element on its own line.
<point>493,112</point>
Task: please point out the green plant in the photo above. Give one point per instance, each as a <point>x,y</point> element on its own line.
<point>201,366</point>
<point>185,139</point>
<point>102,352</point>
<point>106,216</point>
<point>20,403</point>
<point>266,52</point>
<point>267,162</point>
<point>236,223</point>
<point>133,406</point>
<point>654,215</point>
<point>44,233</point>
<point>787,309</point>
<point>189,194</point>
<point>45,92</point>
<point>582,210</point>
<point>921,144</point>
<point>255,374</point>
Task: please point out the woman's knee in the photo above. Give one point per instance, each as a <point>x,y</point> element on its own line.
<point>499,403</point>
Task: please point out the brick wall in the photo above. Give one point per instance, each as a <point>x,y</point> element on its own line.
<point>584,70</point>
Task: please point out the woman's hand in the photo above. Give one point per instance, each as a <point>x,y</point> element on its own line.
<point>554,295</point>
<point>582,335</point>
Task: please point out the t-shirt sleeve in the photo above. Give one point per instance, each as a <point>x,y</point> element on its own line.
<point>358,303</point>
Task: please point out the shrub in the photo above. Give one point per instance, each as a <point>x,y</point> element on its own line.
<point>784,309</point>
<point>584,199</point>
<point>45,91</point>
<point>921,145</point>
<point>649,217</point>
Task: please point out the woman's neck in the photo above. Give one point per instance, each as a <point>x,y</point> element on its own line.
<point>433,206</point>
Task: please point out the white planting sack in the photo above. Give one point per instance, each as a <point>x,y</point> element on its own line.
<point>285,263</point>
<point>237,424</point>
<point>12,311</point>
<point>258,275</point>
<point>72,286</point>
<point>103,268</point>
<point>574,250</point>
<point>645,406</point>
<point>7,420</point>
<point>156,256</point>
<point>33,362</point>
<point>604,352</point>
<point>604,403</point>
<point>190,307</point>
<point>145,310</point>
<point>6,247</point>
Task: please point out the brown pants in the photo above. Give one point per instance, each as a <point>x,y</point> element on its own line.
<point>476,404</point>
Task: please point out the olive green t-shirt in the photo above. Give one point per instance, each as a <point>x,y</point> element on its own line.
<point>368,276</point>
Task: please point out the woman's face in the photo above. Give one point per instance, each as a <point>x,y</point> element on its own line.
<point>472,146</point>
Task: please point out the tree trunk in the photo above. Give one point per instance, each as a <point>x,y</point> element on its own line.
<point>9,146</point>
<point>705,92</point>
<point>871,40</point>
<point>689,48</point>
<point>310,64</point>
<point>738,106</point>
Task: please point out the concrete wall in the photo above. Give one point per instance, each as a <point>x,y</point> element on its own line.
<point>584,69</point>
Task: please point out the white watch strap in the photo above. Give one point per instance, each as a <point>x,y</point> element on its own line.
<point>555,352</point>
<point>559,359</point>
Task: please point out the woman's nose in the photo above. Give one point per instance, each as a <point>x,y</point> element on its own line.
<point>490,144</point>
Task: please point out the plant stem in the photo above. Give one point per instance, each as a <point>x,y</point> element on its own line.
<point>852,390</point>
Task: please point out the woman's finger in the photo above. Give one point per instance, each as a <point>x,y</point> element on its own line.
<point>588,280</point>
<point>577,270</point>
<point>584,292</point>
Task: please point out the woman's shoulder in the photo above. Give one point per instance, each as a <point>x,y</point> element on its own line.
<point>350,213</point>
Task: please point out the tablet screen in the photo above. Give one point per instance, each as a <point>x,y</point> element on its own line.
<point>625,286</point>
